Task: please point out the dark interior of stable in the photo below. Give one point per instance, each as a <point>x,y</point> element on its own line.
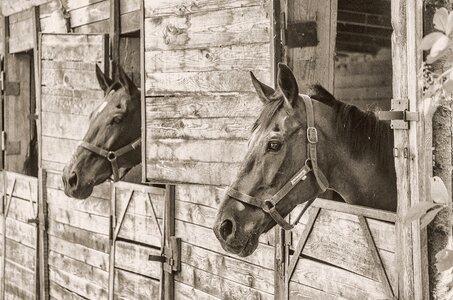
<point>363,61</point>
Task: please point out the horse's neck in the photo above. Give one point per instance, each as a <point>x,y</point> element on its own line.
<point>365,184</point>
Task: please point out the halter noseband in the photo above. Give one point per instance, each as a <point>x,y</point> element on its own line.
<point>311,165</point>
<point>112,156</point>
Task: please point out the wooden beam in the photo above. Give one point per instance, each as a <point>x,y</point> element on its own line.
<point>168,280</point>
<point>143,88</point>
<point>411,175</point>
<point>114,35</point>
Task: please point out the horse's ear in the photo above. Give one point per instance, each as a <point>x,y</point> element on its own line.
<point>104,81</point>
<point>263,91</point>
<point>287,84</point>
<point>125,80</point>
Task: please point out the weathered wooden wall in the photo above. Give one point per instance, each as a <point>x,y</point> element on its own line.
<point>200,107</point>
<point>18,236</point>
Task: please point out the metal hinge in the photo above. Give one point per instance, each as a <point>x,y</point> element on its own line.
<point>400,116</point>
<point>298,35</point>
<point>171,256</point>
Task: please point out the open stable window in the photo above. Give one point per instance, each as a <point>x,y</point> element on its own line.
<point>363,56</point>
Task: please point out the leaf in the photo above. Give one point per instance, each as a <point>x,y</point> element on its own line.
<point>418,210</point>
<point>449,28</point>
<point>440,45</point>
<point>429,216</point>
<point>440,19</point>
<point>439,193</point>
<point>444,260</point>
<point>429,40</point>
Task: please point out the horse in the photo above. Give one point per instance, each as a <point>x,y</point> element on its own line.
<point>300,146</point>
<point>112,143</point>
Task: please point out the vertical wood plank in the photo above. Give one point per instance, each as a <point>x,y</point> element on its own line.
<point>43,248</point>
<point>314,64</point>
<point>142,85</point>
<point>169,223</point>
<point>114,35</point>
<point>411,173</point>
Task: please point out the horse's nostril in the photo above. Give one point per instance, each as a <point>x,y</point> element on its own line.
<point>72,180</point>
<point>226,229</point>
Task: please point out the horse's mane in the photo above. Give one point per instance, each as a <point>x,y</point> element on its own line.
<point>362,131</point>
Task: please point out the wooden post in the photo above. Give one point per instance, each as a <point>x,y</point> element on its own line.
<point>169,223</point>
<point>143,87</point>
<point>409,145</point>
<point>114,36</point>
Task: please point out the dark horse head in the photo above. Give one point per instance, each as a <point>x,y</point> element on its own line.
<point>112,141</point>
<point>353,157</point>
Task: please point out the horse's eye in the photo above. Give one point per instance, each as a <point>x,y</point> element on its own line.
<point>274,146</point>
<point>117,120</point>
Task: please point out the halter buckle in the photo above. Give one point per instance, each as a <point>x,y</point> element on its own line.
<point>268,206</point>
<point>111,156</point>
<point>312,135</point>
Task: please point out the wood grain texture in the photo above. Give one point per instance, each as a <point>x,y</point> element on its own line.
<point>79,48</point>
<point>90,14</point>
<point>160,8</point>
<point>21,36</point>
<point>9,7</point>
<point>243,57</point>
<point>132,286</point>
<point>185,291</point>
<point>225,27</point>
<point>134,258</point>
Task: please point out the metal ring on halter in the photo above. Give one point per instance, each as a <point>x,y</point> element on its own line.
<point>312,135</point>
<point>111,156</point>
<point>268,206</point>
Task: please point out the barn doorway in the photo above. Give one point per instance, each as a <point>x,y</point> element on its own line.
<point>363,56</point>
<point>20,153</point>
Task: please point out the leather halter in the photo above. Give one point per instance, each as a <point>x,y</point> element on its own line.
<point>311,165</point>
<point>112,156</point>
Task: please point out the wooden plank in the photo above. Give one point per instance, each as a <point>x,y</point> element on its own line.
<point>15,293</point>
<point>168,286</point>
<point>209,128</point>
<point>206,195</point>
<point>235,57</point>
<point>75,4</point>
<point>197,150</point>
<point>65,47</point>
<point>58,150</point>
<point>134,258</point>
<point>90,14</point>
<point>205,238</point>
<point>356,210</point>
<point>216,285</point>
<point>184,291</point>
<point>21,232</point>
<point>127,6</point>
<point>74,75</point>
<point>191,82</point>
<point>140,203</point>
<point>231,27</point>
<point>20,254</point>
<point>79,252</point>
<point>218,105</point>
<point>300,291</point>
<point>59,292</point>
<point>78,102</point>
<point>160,8</point>
<point>96,27</point>
<point>92,205</point>
<point>20,277</point>
<point>52,125</point>
<point>314,64</point>
<point>336,281</point>
<point>78,269</point>
<point>54,181</point>
<point>21,37</point>
<point>21,210</point>
<point>91,240</point>
<point>90,222</point>
<point>133,286</point>
<point>9,7</point>
<point>192,172</point>
<point>130,22</point>
<point>77,285</point>
<point>141,229</point>
<point>244,273</point>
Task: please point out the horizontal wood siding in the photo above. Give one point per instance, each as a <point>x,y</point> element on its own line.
<point>20,31</point>
<point>20,240</point>
<point>202,103</point>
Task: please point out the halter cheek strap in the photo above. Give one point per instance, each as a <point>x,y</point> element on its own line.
<point>112,156</point>
<point>311,165</point>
